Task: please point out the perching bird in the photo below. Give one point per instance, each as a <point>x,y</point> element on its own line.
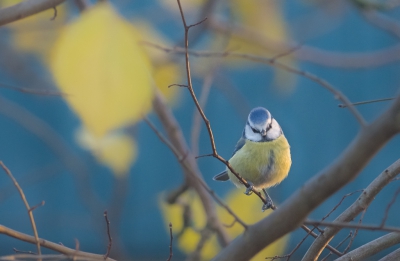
<point>261,156</point>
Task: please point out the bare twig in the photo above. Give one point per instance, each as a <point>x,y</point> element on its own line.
<point>25,9</point>
<point>189,166</point>
<point>366,102</point>
<point>55,14</point>
<point>396,194</point>
<point>24,252</point>
<point>178,85</point>
<point>28,208</point>
<point>196,123</point>
<point>204,185</point>
<point>341,243</point>
<point>349,225</point>
<point>170,242</point>
<point>32,91</point>
<point>359,205</point>
<point>337,94</point>
<point>372,248</point>
<point>394,256</point>
<point>109,235</point>
<point>50,245</point>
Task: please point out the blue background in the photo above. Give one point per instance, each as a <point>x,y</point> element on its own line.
<point>316,128</point>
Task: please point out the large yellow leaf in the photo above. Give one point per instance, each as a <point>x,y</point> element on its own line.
<point>99,63</point>
<point>247,208</point>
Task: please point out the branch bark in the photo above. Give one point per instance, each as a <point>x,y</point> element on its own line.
<point>362,202</point>
<point>395,255</point>
<point>50,245</point>
<point>292,213</point>
<point>176,137</point>
<point>25,9</point>
<point>372,248</point>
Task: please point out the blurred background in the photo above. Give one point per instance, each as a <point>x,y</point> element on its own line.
<point>74,89</point>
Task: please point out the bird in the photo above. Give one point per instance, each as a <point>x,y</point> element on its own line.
<point>261,156</point>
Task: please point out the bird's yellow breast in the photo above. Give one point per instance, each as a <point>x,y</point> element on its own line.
<point>265,164</point>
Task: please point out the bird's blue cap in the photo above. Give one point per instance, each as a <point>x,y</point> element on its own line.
<point>259,115</point>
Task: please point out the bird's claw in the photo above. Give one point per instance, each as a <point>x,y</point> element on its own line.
<point>249,190</point>
<point>268,205</point>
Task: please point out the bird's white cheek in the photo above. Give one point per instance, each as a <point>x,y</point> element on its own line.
<point>250,135</point>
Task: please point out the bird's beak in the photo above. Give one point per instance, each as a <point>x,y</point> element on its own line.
<point>263,133</point>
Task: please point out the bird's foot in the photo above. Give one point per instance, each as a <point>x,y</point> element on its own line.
<point>268,205</point>
<point>249,190</point>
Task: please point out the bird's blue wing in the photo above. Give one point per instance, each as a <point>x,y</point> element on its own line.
<point>239,145</point>
<point>223,176</point>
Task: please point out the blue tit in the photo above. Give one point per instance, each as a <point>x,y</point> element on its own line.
<point>261,156</point>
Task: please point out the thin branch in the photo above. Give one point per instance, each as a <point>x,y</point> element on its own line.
<point>366,102</point>
<point>55,14</point>
<point>396,194</point>
<point>184,164</point>
<point>109,235</point>
<point>32,91</point>
<point>28,208</point>
<point>341,243</point>
<point>337,94</point>
<point>25,9</point>
<point>349,225</point>
<point>170,242</point>
<point>359,205</point>
<point>24,252</point>
<point>50,245</point>
<point>355,232</point>
<point>371,248</point>
<point>394,256</point>
<point>178,85</point>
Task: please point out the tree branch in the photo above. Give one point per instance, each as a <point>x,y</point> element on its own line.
<point>50,245</point>
<point>361,203</point>
<point>292,212</point>
<point>25,9</point>
<point>372,248</point>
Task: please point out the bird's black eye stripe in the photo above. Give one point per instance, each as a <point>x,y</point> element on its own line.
<point>254,130</point>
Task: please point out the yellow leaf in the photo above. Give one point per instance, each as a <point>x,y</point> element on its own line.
<point>115,150</point>
<point>188,238</point>
<point>247,208</point>
<point>99,63</point>
<point>262,31</point>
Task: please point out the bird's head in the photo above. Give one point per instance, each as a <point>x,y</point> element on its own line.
<point>261,126</point>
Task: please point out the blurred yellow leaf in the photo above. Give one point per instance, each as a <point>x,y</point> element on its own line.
<point>262,31</point>
<point>247,208</point>
<point>99,63</point>
<point>116,150</point>
<point>189,237</point>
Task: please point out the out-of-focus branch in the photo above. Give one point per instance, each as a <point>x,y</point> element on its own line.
<point>349,225</point>
<point>25,9</point>
<point>394,256</point>
<point>292,212</point>
<point>191,172</point>
<point>50,245</point>
<point>362,202</point>
<point>372,248</point>
<point>312,54</point>
<point>272,62</point>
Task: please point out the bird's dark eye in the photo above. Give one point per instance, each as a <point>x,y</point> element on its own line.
<point>254,130</point>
